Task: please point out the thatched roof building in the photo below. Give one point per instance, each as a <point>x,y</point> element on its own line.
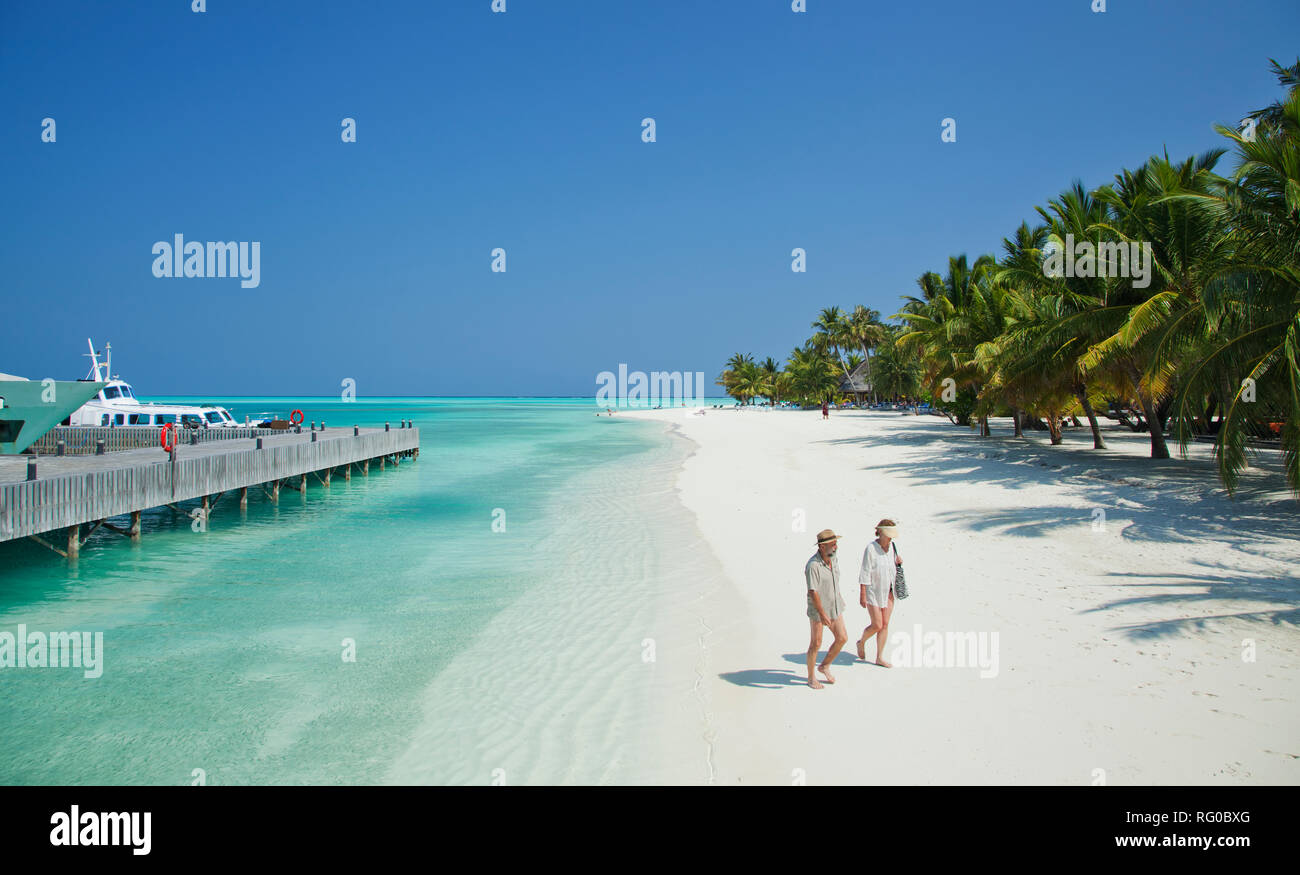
<point>857,381</point>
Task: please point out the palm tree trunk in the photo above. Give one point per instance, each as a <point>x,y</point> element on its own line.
<point>866,357</point>
<point>1054,427</point>
<point>1015,415</point>
<point>984,427</point>
<point>1098,442</point>
<point>844,365</point>
<point>1159,449</point>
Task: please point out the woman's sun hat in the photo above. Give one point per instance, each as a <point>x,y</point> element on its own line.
<point>888,528</point>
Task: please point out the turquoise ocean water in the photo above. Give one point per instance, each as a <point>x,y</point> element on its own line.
<point>223,649</point>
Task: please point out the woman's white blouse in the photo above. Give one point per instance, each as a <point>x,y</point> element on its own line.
<point>878,567</point>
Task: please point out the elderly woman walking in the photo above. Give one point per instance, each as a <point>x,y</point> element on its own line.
<point>880,562</point>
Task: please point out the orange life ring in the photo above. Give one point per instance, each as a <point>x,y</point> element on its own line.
<point>168,432</point>
<point>295,418</point>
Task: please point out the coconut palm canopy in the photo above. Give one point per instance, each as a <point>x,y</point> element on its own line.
<point>1168,300</point>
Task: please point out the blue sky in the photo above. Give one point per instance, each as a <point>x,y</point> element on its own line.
<point>522,130</point>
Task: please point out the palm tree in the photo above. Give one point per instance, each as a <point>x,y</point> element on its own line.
<point>771,371</point>
<point>867,331</point>
<point>1158,325</point>
<point>1261,309</point>
<point>738,377</point>
<point>1272,118</point>
<point>833,333</point>
<point>812,373</point>
<point>897,370</point>
<point>1060,312</point>
<point>956,314</point>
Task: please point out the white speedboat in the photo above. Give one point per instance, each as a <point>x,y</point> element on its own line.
<point>116,404</point>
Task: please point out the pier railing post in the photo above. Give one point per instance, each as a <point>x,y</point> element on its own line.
<point>31,468</point>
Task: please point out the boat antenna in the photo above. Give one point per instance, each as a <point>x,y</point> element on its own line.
<point>94,362</point>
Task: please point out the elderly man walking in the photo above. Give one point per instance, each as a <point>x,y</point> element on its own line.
<point>825,605</point>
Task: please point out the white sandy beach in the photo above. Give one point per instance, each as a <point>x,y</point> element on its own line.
<point>1119,646</point>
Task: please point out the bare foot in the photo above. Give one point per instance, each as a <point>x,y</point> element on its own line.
<point>814,683</point>
<point>862,650</point>
<point>880,662</point>
<point>830,678</point>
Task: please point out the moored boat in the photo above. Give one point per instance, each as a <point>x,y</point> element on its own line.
<point>116,405</point>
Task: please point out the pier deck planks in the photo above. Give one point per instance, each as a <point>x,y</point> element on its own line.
<point>71,490</point>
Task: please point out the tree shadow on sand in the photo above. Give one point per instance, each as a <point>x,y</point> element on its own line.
<point>1168,503</point>
<point>1279,598</point>
<point>1016,462</point>
<point>1197,508</point>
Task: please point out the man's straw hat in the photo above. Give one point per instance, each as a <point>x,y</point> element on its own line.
<point>826,535</point>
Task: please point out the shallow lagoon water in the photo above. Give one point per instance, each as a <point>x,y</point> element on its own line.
<point>224,649</point>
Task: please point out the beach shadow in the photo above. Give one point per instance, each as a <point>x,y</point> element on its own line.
<point>1169,503</point>
<point>961,455</point>
<point>848,656</point>
<point>1155,501</point>
<point>764,678</point>
<point>771,679</point>
<point>1218,584</point>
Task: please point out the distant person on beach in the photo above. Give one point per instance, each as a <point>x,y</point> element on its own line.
<point>826,410</point>
<point>880,564</point>
<point>825,605</point>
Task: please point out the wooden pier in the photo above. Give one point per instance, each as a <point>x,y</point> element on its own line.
<point>73,491</point>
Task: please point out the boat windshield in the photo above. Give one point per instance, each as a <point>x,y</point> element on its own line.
<point>213,416</point>
<point>111,392</point>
